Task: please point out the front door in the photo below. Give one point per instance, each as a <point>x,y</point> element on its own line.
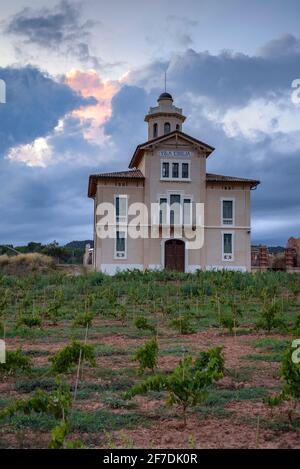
<point>174,255</point>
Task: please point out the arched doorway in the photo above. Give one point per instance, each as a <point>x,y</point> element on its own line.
<point>175,255</point>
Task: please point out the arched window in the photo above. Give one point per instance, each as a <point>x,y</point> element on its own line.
<point>177,126</point>
<point>154,130</point>
<point>167,128</point>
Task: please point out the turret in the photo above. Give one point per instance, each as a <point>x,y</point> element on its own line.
<point>164,118</point>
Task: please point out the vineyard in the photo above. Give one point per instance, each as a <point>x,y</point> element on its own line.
<point>150,360</point>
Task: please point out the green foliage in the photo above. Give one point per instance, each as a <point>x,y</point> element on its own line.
<point>230,319</point>
<point>187,385</point>
<point>65,359</point>
<point>147,355</point>
<point>182,324</point>
<point>121,313</point>
<point>290,374</point>
<point>29,320</point>
<point>296,327</point>
<point>142,323</point>
<point>58,438</point>
<point>54,306</point>
<point>57,403</point>
<point>15,361</point>
<point>270,317</point>
<point>5,299</point>
<point>189,290</point>
<point>84,319</point>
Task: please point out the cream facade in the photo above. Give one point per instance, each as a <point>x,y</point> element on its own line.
<point>169,170</point>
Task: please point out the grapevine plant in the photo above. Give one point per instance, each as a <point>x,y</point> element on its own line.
<point>187,385</point>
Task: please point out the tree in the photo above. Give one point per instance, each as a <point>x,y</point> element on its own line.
<point>54,250</point>
<point>290,374</point>
<point>63,360</point>
<point>187,385</point>
<point>270,317</point>
<point>147,355</point>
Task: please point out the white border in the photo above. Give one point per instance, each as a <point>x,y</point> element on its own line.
<point>222,239</point>
<point>180,162</point>
<point>231,199</point>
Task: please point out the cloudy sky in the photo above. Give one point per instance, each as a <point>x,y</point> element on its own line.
<point>80,77</point>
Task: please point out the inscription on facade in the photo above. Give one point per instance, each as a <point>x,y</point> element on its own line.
<point>175,153</point>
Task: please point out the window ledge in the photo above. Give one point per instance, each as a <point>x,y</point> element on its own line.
<point>175,179</point>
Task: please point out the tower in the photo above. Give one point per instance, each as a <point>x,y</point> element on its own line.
<point>164,118</point>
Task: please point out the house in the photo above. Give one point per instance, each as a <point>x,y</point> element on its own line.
<point>168,172</point>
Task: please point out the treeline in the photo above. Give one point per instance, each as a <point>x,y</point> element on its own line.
<point>71,253</point>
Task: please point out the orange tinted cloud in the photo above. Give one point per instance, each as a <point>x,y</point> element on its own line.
<point>89,83</point>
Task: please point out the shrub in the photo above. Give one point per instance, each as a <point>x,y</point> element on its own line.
<point>40,402</point>
<point>182,324</point>
<point>84,319</point>
<point>190,290</point>
<point>15,360</point>
<point>29,320</point>
<point>54,306</point>
<point>187,385</point>
<point>143,324</point>
<point>230,319</point>
<point>270,317</point>
<point>26,262</point>
<point>63,360</point>
<point>57,404</point>
<point>121,313</point>
<point>147,355</point>
<point>290,374</point>
<point>4,302</point>
<point>58,438</point>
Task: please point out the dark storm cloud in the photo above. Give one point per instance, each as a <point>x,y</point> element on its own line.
<point>228,78</point>
<point>35,103</point>
<point>286,45</point>
<point>224,82</point>
<point>126,125</point>
<point>43,205</point>
<point>48,203</point>
<point>59,28</point>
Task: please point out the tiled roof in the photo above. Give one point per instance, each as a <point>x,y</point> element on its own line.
<point>220,178</point>
<point>131,174</point>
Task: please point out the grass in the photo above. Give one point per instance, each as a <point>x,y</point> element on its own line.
<point>241,374</point>
<point>103,420</point>
<point>274,345</point>
<point>104,350</point>
<point>221,397</point>
<point>30,385</point>
<point>160,297</point>
<point>176,351</point>
<point>271,357</point>
<point>25,262</point>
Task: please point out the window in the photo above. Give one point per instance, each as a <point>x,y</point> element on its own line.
<point>177,126</point>
<point>163,211</point>
<point>167,128</point>
<point>187,212</point>
<point>165,170</point>
<point>227,212</point>
<point>121,208</point>
<point>120,248</point>
<point>175,170</point>
<point>185,171</point>
<point>175,209</point>
<point>227,247</point>
<point>154,130</point>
